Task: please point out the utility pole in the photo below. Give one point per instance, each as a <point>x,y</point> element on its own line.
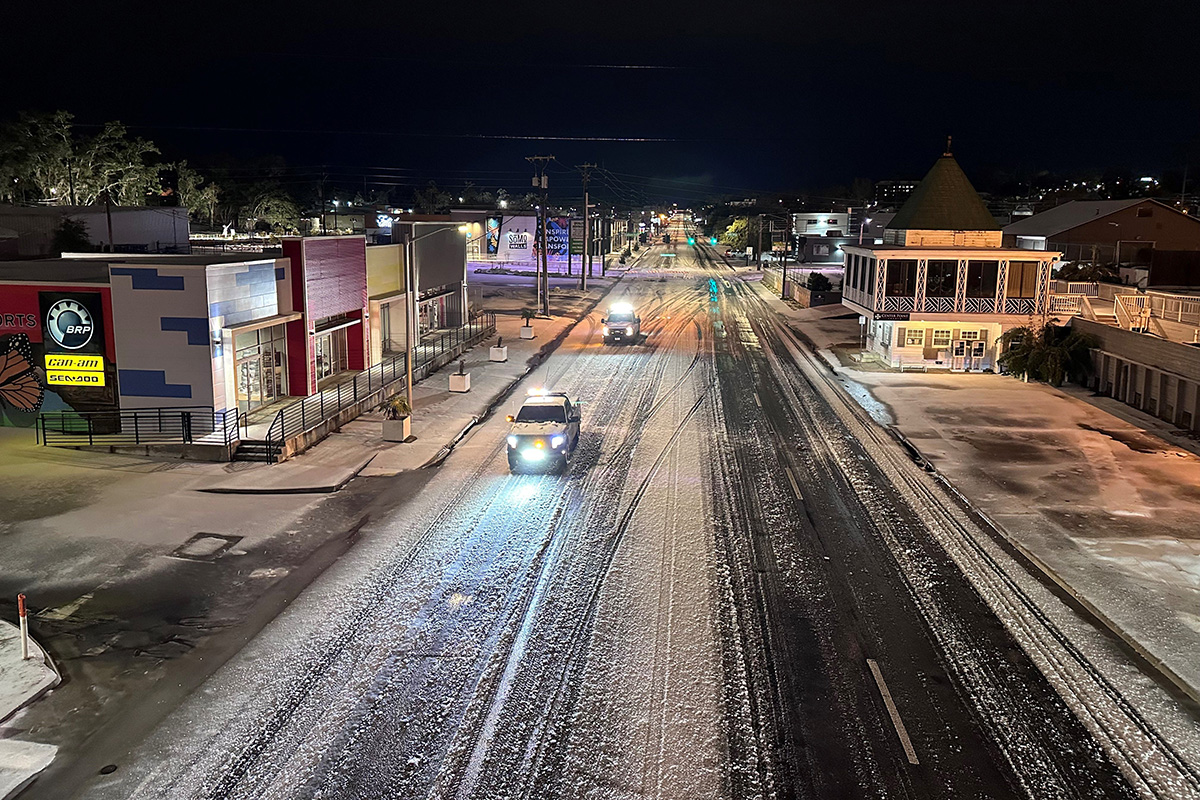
<point>543,281</point>
<point>585,267</point>
<point>758,252</point>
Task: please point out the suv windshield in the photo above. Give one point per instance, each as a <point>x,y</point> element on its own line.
<point>542,414</point>
<point>621,317</point>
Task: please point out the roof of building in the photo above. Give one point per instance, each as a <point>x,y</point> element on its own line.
<point>55,270</point>
<point>944,201</point>
<point>1069,215</point>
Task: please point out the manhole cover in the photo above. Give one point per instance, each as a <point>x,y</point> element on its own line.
<point>205,547</point>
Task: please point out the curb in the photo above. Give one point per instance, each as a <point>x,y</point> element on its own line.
<point>1151,662</point>
<point>324,489</point>
<point>1148,659</point>
<point>49,663</point>
<point>535,361</point>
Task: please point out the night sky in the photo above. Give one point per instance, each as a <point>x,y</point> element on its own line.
<point>745,97</point>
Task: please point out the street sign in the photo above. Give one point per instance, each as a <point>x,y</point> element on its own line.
<point>577,236</point>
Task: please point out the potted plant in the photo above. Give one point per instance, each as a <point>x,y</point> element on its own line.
<point>397,419</point>
<point>498,351</point>
<point>461,382</point>
<point>527,328</point>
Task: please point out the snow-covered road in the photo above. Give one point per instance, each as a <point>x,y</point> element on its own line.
<point>724,597</point>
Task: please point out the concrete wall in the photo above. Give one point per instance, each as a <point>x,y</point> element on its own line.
<point>385,269</point>
<point>1155,375</point>
<point>164,343</point>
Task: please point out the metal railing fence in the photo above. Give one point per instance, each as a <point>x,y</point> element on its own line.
<point>297,418</point>
<point>175,425</point>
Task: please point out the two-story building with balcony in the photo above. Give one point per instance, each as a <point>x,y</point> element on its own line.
<point>941,289</point>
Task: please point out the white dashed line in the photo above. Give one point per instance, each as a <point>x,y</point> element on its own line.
<point>898,723</point>
<point>792,480</point>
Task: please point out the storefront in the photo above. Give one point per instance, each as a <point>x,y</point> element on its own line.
<point>331,346</point>
<point>442,308</point>
<point>260,366</point>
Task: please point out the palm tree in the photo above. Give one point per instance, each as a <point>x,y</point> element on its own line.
<point>1047,353</point>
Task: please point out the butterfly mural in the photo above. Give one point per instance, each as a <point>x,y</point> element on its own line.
<point>19,384</point>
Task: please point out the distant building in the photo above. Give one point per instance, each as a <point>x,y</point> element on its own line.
<point>1125,232</point>
<point>890,194</point>
<point>821,223</point>
<point>941,290</point>
<point>29,232</point>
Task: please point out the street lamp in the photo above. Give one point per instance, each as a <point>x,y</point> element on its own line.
<point>865,222</point>
<point>335,221</point>
<point>410,281</point>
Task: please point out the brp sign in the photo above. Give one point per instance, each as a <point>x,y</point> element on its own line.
<point>69,323</point>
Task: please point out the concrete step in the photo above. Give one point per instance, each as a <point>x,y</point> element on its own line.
<point>251,450</point>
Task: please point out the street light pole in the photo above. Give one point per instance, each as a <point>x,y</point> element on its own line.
<point>410,307</point>
<point>861,224</point>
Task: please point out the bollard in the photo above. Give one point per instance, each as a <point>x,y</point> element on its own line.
<point>24,627</point>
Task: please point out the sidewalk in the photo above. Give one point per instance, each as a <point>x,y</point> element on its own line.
<point>440,417</point>
<point>1101,498</point>
<point>22,682</point>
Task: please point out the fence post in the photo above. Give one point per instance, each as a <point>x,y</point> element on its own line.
<point>90,440</point>
<point>137,439</point>
<point>185,419</point>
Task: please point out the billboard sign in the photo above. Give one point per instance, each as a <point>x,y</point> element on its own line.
<point>577,235</point>
<point>492,235</point>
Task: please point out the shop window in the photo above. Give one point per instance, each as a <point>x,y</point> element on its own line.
<point>969,335</point>
<point>915,338</point>
<point>941,338</point>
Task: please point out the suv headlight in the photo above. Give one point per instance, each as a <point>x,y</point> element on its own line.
<point>556,441</point>
<point>629,331</point>
<point>512,440</point>
<point>606,330</point>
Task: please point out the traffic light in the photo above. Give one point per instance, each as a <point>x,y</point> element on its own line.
<point>691,240</point>
<point>712,240</point>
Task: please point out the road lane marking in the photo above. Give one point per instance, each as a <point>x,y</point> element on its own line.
<point>792,480</point>
<point>68,610</point>
<point>757,402</point>
<point>898,723</point>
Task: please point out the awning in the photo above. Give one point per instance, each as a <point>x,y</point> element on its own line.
<point>265,322</point>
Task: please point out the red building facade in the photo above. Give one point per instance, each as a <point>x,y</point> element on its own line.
<point>329,289</point>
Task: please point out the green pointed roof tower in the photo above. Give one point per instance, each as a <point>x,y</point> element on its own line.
<point>944,200</point>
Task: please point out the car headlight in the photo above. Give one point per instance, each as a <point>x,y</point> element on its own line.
<point>629,331</point>
<point>606,330</point>
<point>512,440</point>
<point>556,441</point>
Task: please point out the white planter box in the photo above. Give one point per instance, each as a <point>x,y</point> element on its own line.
<point>498,353</point>
<point>397,430</point>
<point>460,383</point>
<point>526,331</point>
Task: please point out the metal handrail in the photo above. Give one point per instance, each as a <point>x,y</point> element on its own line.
<point>297,418</point>
<point>126,427</point>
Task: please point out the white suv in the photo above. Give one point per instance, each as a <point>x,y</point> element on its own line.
<point>544,432</point>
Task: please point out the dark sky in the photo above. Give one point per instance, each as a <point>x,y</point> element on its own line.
<point>746,96</point>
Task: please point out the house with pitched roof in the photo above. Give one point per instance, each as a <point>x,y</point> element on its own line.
<point>941,289</point>
<point>1107,231</point>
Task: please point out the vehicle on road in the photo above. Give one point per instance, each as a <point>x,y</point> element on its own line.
<point>544,433</point>
<point>622,324</point>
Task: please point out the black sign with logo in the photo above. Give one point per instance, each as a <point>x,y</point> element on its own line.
<point>891,316</point>
<point>72,322</point>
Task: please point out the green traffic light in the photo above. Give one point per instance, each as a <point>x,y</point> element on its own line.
<point>691,240</point>
<point>713,241</point>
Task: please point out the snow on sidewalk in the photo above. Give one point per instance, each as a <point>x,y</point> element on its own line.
<point>21,682</point>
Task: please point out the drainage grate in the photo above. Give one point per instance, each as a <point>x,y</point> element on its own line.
<point>205,547</point>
